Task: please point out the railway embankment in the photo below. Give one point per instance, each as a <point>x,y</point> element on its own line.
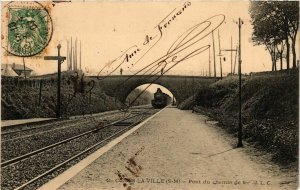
<point>25,102</point>
<point>30,101</point>
<point>270,107</point>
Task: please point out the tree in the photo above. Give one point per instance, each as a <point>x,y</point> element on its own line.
<point>266,29</point>
<point>275,23</point>
<point>288,12</point>
<point>291,12</point>
<point>280,49</point>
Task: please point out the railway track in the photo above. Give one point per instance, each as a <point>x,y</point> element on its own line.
<point>26,131</point>
<point>16,146</point>
<point>23,133</point>
<point>34,168</point>
<point>8,132</point>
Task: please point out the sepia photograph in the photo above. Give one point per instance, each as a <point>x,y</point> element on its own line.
<point>149,95</point>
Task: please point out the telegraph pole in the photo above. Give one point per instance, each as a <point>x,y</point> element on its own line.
<point>75,55</point>
<point>68,59</point>
<point>24,69</point>
<point>240,131</point>
<point>235,59</point>
<point>231,56</point>
<point>58,81</point>
<point>209,62</point>
<point>80,57</point>
<point>71,56</point>
<point>60,60</point>
<point>220,55</point>
<point>194,102</point>
<point>231,50</point>
<point>213,39</point>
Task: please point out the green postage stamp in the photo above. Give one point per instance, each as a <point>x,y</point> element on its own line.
<point>29,28</point>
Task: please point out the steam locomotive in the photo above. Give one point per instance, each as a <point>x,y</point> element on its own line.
<point>160,99</point>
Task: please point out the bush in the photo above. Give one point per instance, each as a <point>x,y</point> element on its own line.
<point>269,110</point>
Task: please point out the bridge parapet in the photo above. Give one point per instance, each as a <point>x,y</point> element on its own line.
<point>180,86</point>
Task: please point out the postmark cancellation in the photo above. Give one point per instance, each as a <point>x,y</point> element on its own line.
<point>27,29</point>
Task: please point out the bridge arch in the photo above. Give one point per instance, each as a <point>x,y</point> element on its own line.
<point>181,87</point>
<point>172,91</point>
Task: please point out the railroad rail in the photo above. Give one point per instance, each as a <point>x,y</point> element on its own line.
<point>8,134</point>
<point>116,127</point>
<point>31,126</point>
<point>14,160</point>
<point>22,133</point>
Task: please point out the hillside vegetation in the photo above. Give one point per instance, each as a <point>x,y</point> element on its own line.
<point>269,110</point>
<point>22,101</point>
<point>144,97</point>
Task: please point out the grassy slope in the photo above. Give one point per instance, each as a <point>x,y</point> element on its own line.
<point>269,110</point>
<point>23,102</point>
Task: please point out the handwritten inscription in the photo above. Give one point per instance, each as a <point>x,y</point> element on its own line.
<point>189,44</point>
<point>169,19</point>
<point>131,54</point>
<point>185,47</point>
<point>149,42</point>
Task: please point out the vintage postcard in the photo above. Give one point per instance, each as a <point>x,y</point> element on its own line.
<point>134,95</point>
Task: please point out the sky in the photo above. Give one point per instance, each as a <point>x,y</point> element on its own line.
<point>110,30</point>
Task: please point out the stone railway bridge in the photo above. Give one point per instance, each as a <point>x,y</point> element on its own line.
<point>181,87</point>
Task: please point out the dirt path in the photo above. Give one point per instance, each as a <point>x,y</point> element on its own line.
<point>180,150</point>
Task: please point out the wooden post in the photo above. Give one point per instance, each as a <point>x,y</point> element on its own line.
<point>71,56</point>
<point>40,94</point>
<point>90,97</point>
<point>24,68</point>
<point>231,55</point>
<point>235,60</point>
<point>80,57</point>
<point>214,54</point>
<point>209,62</point>
<point>240,131</point>
<point>220,55</point>
<point>58,82</point>
<point>60,60</point>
